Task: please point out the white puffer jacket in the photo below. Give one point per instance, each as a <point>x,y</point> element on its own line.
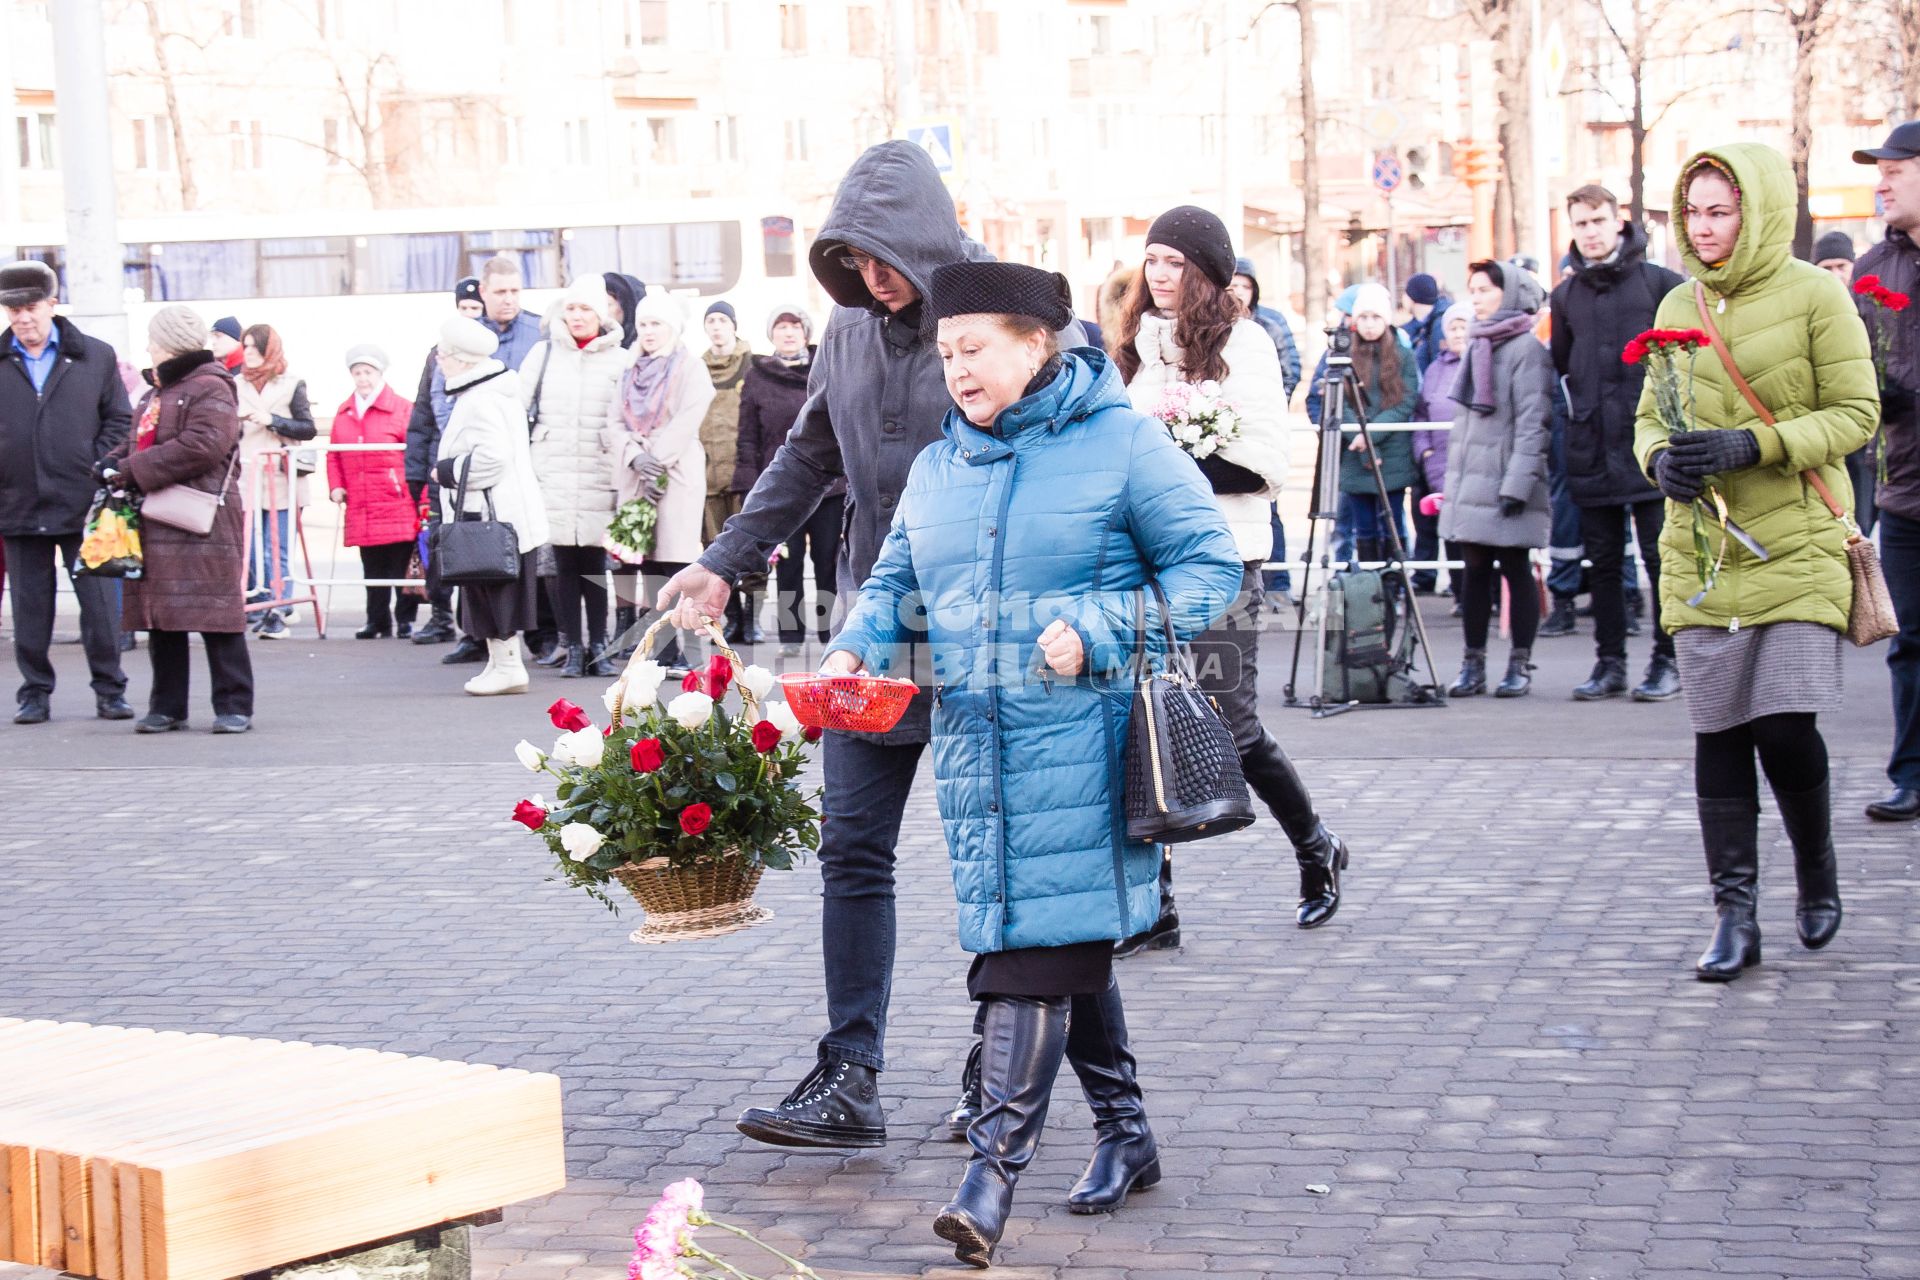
<point>1255,386</point>
<point>573,452</point>
<point>489,424</point>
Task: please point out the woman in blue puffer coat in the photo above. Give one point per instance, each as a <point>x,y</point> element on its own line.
<point>1019,546</point>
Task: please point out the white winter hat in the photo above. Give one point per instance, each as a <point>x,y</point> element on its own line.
<point>658,304</point>
<point>592,291</point>
<point>465,339</point>
<point>790,312</point>
<point>367,353</point>
<point>1372,299</point>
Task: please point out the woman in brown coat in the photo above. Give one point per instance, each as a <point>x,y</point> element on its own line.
<point>186,432</point>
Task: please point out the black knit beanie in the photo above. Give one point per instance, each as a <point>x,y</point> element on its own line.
<point>1201,236</point>
<point>1002,289</point>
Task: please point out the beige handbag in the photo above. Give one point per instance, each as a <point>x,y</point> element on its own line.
<point>1871,619</point>
<point>181,506</point>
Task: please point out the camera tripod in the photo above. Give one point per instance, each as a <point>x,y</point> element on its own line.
<point>1341,400</point>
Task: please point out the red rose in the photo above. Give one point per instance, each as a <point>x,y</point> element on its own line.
<point>695,818</point>
<point>1636,352</point>
<point>692,683</point>
<point>1866,284</point>
<point>568,717</point>
<point>647,755</point>
<point>529,815</point>
<point>719,676</point>
<point>811,733</point>
<point>1897,301</point>
<point>766,736</point>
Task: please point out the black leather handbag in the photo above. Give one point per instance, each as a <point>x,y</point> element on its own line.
<point>1183,774</point>
<point>474,550</point>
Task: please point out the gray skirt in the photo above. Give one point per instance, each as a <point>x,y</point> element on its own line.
<point>1732,677</point>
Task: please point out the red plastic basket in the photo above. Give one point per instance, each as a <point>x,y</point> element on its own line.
<point>860,704</point>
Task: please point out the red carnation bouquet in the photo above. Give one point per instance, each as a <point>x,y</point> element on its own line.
<point>692,781</point>
<point>1662,351</point>
<point>1885,299</point>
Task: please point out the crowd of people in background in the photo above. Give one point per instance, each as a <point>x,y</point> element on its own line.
<point>871,454</point>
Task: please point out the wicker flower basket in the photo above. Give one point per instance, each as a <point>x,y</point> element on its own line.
<point>702,901</point>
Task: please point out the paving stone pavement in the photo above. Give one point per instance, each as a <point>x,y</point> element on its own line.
<point>1495,1058</point>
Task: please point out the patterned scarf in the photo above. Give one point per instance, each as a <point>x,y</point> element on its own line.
<point>273,362</point>
<point>647,387</point>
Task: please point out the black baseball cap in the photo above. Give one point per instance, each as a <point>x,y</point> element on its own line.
<point>1902,144</point>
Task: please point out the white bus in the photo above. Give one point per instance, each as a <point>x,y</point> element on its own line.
<point>329,280</point>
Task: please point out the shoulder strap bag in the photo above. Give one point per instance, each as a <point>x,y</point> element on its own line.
<point>1870,619</point>
<point>181,506</point>
<point>539,385</point>
<point>1183,776</point>
<point>472,550</point>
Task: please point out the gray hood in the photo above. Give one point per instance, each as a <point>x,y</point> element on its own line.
<point>892,205</point>
<point>1521,291</point>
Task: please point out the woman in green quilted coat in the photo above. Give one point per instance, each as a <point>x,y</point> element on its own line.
<point>1760,651</point>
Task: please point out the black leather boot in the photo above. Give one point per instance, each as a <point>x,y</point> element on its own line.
<point>1730,832</point>
<point>1519,677</point>
<point>961,1117</point>
<point>1321,854</point>
<point>1021,1048</point>
<point>1560,619</point>
<point>559,655</point>
<point>575,667</point>
<point>1808,818</point>
<point>1366,550</point>
<point>1609,680</point>
<point>837,1105</point>
<point>1662,683</point>
<point>439,629</point>
<point>624,636</point>
<point>1125,1156</point>
<point>468,650</point>
<point>602,663</point>
<point>1472,680</point>
<point>1165,933</point>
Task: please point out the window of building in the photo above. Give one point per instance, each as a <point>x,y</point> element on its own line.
<point>249,19</point>
<point>660,141</point>
<point>330,141</point>
<point>863,31</point>
<point>720,24</point>
<point>576,142</point>
<point>152,143</point>
<point>793,28</point>
<point>796,140</point>
<point>726,139</point>
<point>930,27</point>
<point>139,144</point>
<point>160,134</point>
<point>507,139</point>
<point>39,141</point>
<point>256,137</point>
<point>653,23</point>
<point>986,33</point>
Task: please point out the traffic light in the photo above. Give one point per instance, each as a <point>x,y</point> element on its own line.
<point>1476,163</point>
<point>1418,159</point>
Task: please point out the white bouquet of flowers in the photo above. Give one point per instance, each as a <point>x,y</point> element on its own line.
<point>1200,419</point>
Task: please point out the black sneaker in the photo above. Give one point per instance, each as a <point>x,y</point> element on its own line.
<point>837,1105</point>
<point>961,1118</point>
<point>273,627</point>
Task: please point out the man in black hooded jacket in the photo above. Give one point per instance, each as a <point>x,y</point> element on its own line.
<point>1611,297</point>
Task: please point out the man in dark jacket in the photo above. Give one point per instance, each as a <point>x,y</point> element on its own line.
<point>1610,297</point>
<point>62,408</point>
<point>1427,329</point>
<point>1896,260</point>
<point>431,409</point>
<point>876,398</point>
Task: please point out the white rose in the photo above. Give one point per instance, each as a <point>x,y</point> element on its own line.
<point>691,710</point>
<point>643,683</point>
<point>782,717</point>
<point>758,681</point>
<point>611,698</point>
<point>530,755</point>
<point>580,840</point>
<point>584,747</point>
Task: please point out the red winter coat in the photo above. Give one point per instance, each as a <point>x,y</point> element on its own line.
<point>380,509</point>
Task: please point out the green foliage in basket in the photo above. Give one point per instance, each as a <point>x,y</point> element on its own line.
<point>692,781</point>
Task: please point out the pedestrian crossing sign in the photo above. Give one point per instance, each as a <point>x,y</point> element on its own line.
<point>937,141</point>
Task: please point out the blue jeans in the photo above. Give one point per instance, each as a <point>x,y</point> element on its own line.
<point>1900,549</point>
<point>269,585</point>
<point>1278,581</point>
<point>867,784</point>
<point>1370,523</point>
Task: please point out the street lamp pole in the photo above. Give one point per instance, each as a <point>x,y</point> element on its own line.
<point>96,294</point>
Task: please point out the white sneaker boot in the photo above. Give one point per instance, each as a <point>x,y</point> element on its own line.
<point>504,672</point>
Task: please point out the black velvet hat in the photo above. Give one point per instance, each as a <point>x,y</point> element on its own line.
<point>1002,289</point>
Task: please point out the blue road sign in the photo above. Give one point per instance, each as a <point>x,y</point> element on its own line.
<point>937,141</point>
<point>1387,173</point>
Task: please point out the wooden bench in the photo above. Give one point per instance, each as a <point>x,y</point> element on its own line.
<point>129,1154</point>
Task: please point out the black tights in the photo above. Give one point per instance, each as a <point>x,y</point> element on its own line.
<point>579,574</point>
<point>1523,598</point>
<point>1791,751</point>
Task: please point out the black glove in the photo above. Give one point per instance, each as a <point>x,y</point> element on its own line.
<point>1896,402</point>
<point>1714,453</point>
<point>1679,484</point>
<point>1511,507</point>
<point>444,473</point>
